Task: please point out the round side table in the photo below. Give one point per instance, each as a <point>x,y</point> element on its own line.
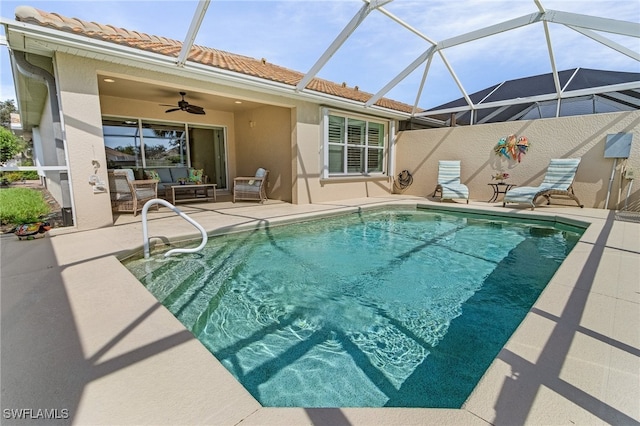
<point>499,188</point>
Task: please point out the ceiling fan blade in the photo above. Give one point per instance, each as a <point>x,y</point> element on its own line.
<point>171,105</point>
<point>173,109</point>
<point>195,109</point>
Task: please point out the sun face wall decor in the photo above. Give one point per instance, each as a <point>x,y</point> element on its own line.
<point>512,147</point>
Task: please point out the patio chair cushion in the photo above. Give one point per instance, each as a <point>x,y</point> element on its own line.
<point>253,185</point>
<point>449,184</point>
<point>260,174</point>
<point>178,173</point>
<point>130,175</point>
<point>247,187</point>
<point>165,175</point>
<point>558,181</point>
<point>145,193</point>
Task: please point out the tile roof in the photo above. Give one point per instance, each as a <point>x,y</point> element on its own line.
<point>200,54</point>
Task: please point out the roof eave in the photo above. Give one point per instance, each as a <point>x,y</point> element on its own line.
<point>57,40</point>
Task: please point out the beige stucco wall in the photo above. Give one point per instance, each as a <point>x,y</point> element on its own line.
<point>81,113</point>
<point>263,139</point>
<point>309,187</point>
<point>580,136</point>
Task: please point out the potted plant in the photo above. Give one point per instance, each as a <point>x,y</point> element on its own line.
<point>32,231</point>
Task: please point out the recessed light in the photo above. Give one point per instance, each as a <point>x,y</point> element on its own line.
<point>238,102</point>
<point>109,80</point>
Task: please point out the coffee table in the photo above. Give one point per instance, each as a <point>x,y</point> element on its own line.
<point>196,192</point>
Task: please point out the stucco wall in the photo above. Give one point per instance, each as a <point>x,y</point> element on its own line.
<point>568,137</point>
<point>263,139</point>
<point>80,108</point>
<point>308,153</point>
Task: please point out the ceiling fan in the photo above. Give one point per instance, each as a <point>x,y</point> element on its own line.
<point>185,106</point>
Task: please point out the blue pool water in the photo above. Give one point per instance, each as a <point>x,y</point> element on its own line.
<point>396,308</point>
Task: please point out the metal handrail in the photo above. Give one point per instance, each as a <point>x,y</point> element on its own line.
<point>145,234</point>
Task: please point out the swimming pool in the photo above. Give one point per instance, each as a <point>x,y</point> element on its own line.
<point>403,308</point>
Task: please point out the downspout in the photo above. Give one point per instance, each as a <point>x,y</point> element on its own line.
<point>32,71</point>
<point>29,70</point>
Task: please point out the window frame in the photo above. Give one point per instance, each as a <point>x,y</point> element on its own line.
<point>348,147</point>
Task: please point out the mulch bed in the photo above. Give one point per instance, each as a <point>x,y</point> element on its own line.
<point>54,218</point>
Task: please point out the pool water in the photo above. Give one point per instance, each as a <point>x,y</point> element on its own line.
<point>394,308</point>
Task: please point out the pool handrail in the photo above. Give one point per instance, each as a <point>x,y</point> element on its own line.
<point>145,233</point>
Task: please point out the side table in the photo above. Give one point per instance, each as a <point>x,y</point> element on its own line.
<point>499,188</point>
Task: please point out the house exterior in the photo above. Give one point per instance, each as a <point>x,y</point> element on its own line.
<point>94,97</point>
<point>112,83</point>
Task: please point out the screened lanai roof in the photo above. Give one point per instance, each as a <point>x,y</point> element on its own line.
<point>588,89</point>
<point>188,56</point>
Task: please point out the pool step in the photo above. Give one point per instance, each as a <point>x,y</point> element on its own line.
<point>195,296</point>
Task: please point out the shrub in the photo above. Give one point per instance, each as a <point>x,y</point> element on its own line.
<point>18,176</point>
<point>22,205</point>
<point>9,145</point>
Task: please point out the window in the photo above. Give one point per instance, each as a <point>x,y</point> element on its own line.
<point>138,144</point>
<point>354,146</point>
<point>122,143</point>
<point>164,145</point>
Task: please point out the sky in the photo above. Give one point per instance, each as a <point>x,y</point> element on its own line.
<point>295,33</point>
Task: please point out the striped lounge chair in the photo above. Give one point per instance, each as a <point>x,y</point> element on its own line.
<point>558,182</point>
<point>449,184</point>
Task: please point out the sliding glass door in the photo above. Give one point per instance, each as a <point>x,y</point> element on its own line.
<point>209,152</point>
<point>138,144</point>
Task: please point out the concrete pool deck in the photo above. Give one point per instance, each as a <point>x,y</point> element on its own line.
<point>83,339</point>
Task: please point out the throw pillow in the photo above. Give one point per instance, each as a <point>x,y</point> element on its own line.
<point>260,173</point>
<point>195,175</point>
<point>151,174</point>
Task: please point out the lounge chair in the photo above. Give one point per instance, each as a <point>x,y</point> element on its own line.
<point>558,181</point>
<point>449,184</point>
<point>251,188</point>
<point>129,194</point>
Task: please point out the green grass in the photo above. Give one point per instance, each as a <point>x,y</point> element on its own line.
<point>21,205</point>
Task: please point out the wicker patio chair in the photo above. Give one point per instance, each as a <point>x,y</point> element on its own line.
<point>557,182</point>
<point>128,194</point>
<point>251,188</point>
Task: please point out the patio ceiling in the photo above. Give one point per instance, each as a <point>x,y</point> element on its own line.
<point>125,88</point>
